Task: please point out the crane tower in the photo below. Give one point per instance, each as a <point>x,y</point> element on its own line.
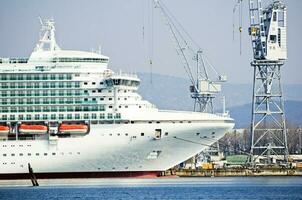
<point>206,82</point>
<point>269,41</point>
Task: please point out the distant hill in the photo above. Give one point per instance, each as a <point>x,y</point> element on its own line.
<point>242,114</point>
<point>172,93</point>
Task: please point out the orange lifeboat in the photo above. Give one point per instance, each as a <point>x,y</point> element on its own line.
<point>4,129</point>
<point>26,128</point>
<point>73,128</point>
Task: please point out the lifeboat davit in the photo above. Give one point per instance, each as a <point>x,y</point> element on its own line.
<point>73,128</point>
<point>4,129</point>
<point>26,128</point>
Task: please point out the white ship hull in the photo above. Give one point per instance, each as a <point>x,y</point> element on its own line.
<point>112,148</point>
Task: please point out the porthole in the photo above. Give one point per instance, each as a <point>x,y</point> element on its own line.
<point>142,134</point>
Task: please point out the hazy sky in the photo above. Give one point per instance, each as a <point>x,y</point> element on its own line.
<point>117,25</point>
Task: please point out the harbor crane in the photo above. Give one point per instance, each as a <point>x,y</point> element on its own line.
<point>203,88</point>
<point>267,29</point>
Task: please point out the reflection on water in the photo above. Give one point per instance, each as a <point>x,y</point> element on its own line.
<point>161,188</point>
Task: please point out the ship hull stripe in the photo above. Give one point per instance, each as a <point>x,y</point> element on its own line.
<point>60,175</point>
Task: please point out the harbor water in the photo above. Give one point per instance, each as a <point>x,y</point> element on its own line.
<point>162,188</point>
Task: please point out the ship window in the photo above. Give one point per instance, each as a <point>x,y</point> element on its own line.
<point>85,91</point>
<point>101,83</point>
<point>93,99</point>
<point>93,83</point>
<point>37,154</point>
<point>4,155</point>
<point>274,16</point>
<point>85,83</point>
<point>126,106</point>
<point>53,154</point>
<point>99,91</point>
<point>110,99</point>
<point>93,91</point>
<point>102,99</point>
<point>142,134</point>
<point>29,154</point>
<point>85,99</point>
<point>110,106</point>
<point>197,133</point>
<point>12,154</point>
<point>166,133</point>
<point>45,154</point>
<point>126,134</point>
<point>53,116</point>
<point>21,154</point>
<point>125,98</point>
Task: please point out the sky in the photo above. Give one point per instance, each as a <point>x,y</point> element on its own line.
<point>131,32</point>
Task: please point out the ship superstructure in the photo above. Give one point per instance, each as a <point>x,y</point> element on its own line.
<point>67,115</point>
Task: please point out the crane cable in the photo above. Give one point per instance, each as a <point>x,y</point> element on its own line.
<point>175,32</point>
<point>238,6</point>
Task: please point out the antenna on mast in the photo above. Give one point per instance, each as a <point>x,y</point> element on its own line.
<point>47,37</point>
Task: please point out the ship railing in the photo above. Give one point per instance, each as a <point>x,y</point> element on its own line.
<point>13,60</point>
<point>123,74</point>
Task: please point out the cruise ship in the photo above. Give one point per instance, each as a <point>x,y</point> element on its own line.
<point>66,114</point>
